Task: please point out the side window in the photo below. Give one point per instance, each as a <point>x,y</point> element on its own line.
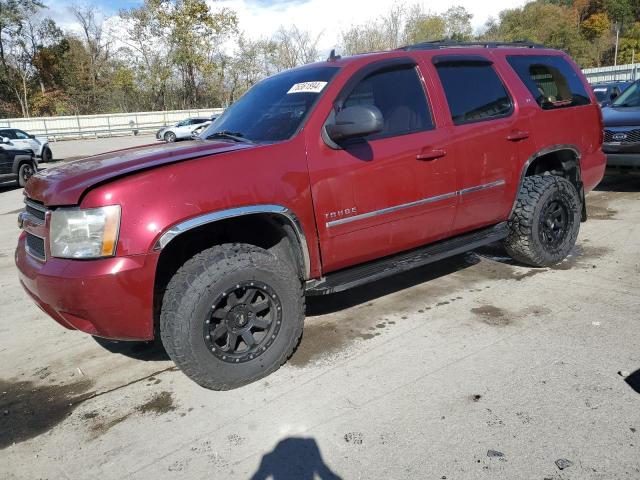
<point>9,134</point>
<point>20,135</point>
<point>474,92</point>
<point>551,80</point>
<point>399,95</point>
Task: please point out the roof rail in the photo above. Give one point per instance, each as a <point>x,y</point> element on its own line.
<point>479,44</point>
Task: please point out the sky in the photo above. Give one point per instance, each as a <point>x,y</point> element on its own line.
<point>327,18</point>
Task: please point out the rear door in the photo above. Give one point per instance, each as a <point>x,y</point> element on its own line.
<point>485,134</point>
<point>390,191</point>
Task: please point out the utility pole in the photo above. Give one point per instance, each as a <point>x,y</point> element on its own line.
<point>615,58</point>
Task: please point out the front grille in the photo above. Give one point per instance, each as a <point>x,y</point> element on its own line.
<point>35,209</point>
<point>630,136</point>
<point>35,246</point>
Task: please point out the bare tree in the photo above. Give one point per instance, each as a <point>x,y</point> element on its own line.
<point>294,47</point>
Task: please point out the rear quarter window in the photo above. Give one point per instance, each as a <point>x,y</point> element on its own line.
<point>552,81</point>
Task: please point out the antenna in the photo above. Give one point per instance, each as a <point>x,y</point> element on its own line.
<point>333,57</point>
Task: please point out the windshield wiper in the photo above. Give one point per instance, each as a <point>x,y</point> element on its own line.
<point>235,136</point>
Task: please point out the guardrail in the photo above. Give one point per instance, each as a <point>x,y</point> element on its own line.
<point>107,125</point>
<point>618,73</point>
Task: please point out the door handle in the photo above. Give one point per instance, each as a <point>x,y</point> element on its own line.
<point>431,154</point>
<point>518,135</point>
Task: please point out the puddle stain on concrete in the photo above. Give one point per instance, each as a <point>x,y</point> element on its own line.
<point>159,404</point>
<point>492,315</point>
<point>28,410</point>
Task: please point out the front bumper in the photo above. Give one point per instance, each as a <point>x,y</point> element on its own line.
<point>623,160</point>
<point>111,297</point>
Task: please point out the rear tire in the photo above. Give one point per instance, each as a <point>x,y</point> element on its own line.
<point>25,172</point>
<point>545,222</point>
<point>232,315</point>
<point>46,155</point>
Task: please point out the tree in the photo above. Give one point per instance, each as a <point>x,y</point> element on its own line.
<point>421,26</point>
<point>457,22</point>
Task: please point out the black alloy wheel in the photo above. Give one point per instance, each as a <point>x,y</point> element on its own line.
<point>553,223</point>
<point>243,322</point>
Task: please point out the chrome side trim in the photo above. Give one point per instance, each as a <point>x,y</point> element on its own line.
<point>212,217</point>
<point>423,201</point>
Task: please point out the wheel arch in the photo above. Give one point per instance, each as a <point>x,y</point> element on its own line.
<point>273,227</point>
<point>562,160</point>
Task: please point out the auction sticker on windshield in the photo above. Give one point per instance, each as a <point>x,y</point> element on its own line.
<point>307,87</point>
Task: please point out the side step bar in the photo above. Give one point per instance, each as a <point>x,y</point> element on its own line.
<point>375,270</point>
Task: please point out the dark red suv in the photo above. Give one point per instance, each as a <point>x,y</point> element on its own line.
<point>318,179</point>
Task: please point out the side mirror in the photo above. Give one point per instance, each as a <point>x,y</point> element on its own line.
<point>32,136</point>
<point>613,96</point>
<point>354,122</point>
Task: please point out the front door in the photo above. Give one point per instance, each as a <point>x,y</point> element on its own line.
<point>388,192</point>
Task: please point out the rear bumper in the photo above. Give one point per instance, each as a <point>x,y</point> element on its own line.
<point>110,297</point>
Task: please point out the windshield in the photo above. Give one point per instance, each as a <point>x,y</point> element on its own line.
<point>629,98</point>
<point>601,93</point>
<point>274,109</point>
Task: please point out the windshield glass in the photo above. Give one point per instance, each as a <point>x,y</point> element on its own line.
<point>601,93</point>
<point>629,98</point>
<point>274,109</point>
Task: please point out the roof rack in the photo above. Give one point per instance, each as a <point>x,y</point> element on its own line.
<point>480,44</point>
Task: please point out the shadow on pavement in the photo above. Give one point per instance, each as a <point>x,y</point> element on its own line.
<point>147,351</point>
<point>633,381</point>
<point>294,458</point>
<point>325,304</point>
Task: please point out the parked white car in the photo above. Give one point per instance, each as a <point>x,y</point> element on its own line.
<point>182,129</point>
<point>14,139</point>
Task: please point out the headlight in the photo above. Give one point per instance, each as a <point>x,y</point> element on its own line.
<point>84,233</point>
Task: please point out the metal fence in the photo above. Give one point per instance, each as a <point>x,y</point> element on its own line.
<point>622,73</point>
<point>108,125</point>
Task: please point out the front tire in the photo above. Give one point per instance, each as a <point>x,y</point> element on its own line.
<point>545,222</point>
<point>169,137</point>
<point>25,172</point>
<point>232,315</point>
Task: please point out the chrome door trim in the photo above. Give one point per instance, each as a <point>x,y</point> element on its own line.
<point>423,201</point>
<point>212,217</point>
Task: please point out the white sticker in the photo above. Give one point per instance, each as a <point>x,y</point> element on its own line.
<point>307,87</point>
<point>599,89</point>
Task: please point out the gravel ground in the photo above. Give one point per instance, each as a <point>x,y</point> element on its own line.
<point>472,368</point>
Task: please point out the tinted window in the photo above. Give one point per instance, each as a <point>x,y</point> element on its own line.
<point>399,95</point>
<point>21,135</point>
<point>474,92</point>
<point>8,134</point>
<point>551,81</point>
<point>274,109</point>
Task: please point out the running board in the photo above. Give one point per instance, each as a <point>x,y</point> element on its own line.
<point>377,269</point>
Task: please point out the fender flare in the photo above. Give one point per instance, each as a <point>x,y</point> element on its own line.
<point>538,154</point>
<point>212,217</point>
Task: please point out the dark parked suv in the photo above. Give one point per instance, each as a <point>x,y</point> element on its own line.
<point>622,131</point>
<point>318,179</point>
<point>17,165</point>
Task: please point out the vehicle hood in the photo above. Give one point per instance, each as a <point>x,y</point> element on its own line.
<point>621,116</point>
<point>42,140</point>
<point>66,183</point>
